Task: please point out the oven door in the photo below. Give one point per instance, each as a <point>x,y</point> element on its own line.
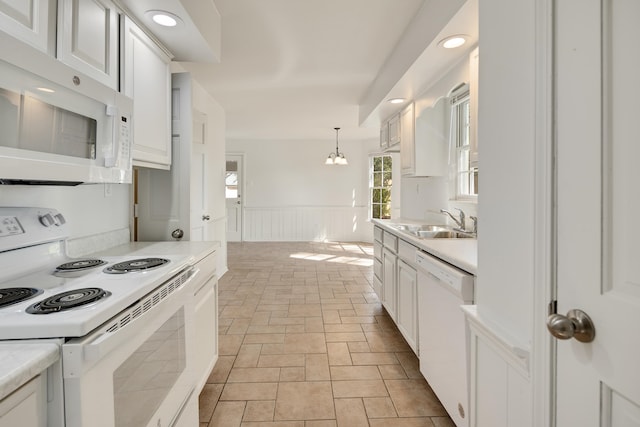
<point>135,370</point>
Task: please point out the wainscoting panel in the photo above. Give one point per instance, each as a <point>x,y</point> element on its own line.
<point>305,224</point>
<point>500,380</point>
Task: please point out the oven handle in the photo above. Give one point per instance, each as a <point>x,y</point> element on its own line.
<point>103,344</point>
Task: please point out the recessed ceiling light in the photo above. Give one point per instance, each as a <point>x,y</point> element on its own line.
<point>164,18</point>
<point>396,100</point>
<point>452,42</point>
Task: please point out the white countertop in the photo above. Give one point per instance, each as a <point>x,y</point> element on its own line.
<point>462,253</point>
<point>22,361</point>
<point>196,250</point>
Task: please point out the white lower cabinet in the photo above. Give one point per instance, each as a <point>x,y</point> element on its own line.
<point>395,281</point>
<point>389,280</point>
<point>206,320</point>
<point>206,327</point>
<point>377,262</point>
<point>407,315</point>
<point>27,406</point>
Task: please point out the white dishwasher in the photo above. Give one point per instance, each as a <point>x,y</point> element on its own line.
<point>443,336</point>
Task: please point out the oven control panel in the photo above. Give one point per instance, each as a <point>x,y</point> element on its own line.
<point>27,226</point>
<point>9,226</point>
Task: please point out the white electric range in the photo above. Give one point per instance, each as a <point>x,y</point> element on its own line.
<point>124,324</point>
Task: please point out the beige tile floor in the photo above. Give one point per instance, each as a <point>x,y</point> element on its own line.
<point>304,342</point>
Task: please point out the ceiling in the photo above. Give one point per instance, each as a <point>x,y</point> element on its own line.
<point>295,69</point>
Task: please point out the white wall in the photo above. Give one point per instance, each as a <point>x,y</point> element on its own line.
<point>501,349</point>
<point>89,209</point>
<point>288,179</point>
<point>506,135</point>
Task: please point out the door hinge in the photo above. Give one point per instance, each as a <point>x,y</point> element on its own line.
<point>135,210</point>
<point>552,308</point>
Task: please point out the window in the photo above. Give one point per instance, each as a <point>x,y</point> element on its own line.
<point>466,175</point>
<point>231,180</point>
<point>380,186</point>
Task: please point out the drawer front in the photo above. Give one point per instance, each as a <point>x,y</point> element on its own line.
<point>407,252</point>
<point>377,268</point>
<point>377,250</point>
<point>377,234</point>
<point>390,241</point>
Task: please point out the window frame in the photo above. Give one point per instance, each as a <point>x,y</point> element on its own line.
<point>460,143</point>
<point>373,187</point>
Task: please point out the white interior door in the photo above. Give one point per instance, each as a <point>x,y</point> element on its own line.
<point>233,193</point>
<point>597,92</point>
<point>200,212</point>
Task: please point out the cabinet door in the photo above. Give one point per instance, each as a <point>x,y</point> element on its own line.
<point>147,79</point>
<point>384,135</point>
<point>25,407</point>
<point>206,309</point>
<point>389,287</point>
<point>88,38</point>
<point>407,304</point>
<point>430,148</point>
<point>394,130</point>
<point>407,139</point>
<point>31,21</point>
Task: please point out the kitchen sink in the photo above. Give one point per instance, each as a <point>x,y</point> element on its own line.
<point>441,234</point>
<point>432,231</point>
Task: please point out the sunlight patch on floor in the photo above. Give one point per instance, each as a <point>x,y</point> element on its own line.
<point>363,262</point>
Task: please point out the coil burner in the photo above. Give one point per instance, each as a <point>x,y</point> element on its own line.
<point>142,264</point>
<point>79,265</point>
<point>68,300</point>
<point>9,296</point>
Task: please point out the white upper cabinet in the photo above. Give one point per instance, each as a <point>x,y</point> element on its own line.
<point>32,21</point>
<point>384,135</point>
<point>394,129</point>
<point>146,78</point>
<point>88,38</point>
<point>431,141</point>
<point>407,141</point>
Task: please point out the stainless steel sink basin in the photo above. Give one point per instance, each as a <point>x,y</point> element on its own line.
<point>430,228</point>
<point>415,228</point>
<point>442,234</point>
<point>428,231</point>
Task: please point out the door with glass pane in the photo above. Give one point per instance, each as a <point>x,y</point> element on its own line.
<point>233,194</point>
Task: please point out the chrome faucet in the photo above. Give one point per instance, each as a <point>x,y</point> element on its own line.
<point>475,224</point>
<point>459,222</point>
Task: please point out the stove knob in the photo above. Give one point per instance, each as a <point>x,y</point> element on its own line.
<point>60,219</point>
<point>47,220</point>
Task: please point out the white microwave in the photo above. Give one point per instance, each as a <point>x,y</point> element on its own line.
<point>54,135</point>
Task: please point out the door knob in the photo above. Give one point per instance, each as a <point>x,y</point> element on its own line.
<point>206,217</point>
<point>576,324</point>
<point>177,234</point>
<point>238,202</point>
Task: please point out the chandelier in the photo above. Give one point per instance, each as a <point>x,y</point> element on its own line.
<point>336,158</point>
